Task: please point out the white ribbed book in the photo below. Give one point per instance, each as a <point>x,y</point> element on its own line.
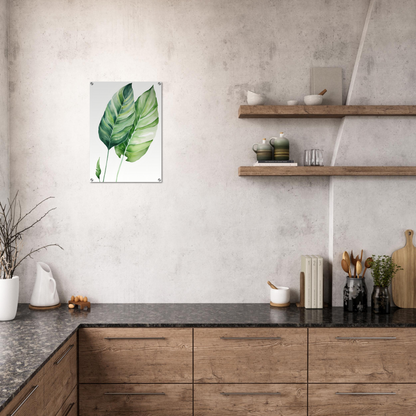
<point>314,282</point>
<point>306,268</point>
<point>320,304</point>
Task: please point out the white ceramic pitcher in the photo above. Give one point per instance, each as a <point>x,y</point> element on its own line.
<point>44,292</point>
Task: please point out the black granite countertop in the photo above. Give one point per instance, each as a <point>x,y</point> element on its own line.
<point>33,337</point>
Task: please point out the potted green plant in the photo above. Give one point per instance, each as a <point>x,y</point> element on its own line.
<point>13,225</point>
<point>383,270</point>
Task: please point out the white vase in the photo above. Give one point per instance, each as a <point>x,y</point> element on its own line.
<point>44,292</point>
<point>9,298</point>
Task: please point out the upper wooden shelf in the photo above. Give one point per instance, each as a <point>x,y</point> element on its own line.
<point>327,171</point>
<point>323,111</point>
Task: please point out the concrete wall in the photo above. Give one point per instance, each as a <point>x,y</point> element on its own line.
<point>204,235</point>
<point>4,107</point>
<point>373,213</point>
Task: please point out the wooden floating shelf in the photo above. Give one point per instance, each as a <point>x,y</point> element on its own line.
<point>327,171</point>
<point>323,111</point>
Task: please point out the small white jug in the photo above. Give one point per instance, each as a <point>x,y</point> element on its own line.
<point>44,292</point>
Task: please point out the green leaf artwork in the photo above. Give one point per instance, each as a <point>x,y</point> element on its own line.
<point>129,126</point>
<point>98,170</point>
<point>143,131</point>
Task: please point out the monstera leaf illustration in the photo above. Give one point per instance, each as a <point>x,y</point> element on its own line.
<point>118,118</point>
<point>144,128</point>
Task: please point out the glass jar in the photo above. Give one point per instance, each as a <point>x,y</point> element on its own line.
<point>380,300</point>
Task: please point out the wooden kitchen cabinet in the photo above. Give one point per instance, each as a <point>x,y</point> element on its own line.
<point>70,406</point>
<point>135,399</point>
<point>250,355</point>
<point>135,355</point>
<point>60,377</point>
<point>250,399</point>
<point>29,401</point>
<point>362,355</point>
<point>362,399</point>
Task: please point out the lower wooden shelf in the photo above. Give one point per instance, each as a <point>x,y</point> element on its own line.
<point>327,171</point>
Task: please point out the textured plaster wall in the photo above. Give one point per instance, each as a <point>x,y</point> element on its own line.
<point>4,108</point>
<point>204,234</point>
<point>373,213</point>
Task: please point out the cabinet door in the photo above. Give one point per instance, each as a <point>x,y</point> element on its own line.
<point>60,377</point>
<point>250,355</point>
<point>70,406</point>
<point>362,355</point>
<point>135,355</point>
<point>250,399</point>
<point>362,399</point>
<point>135,399</point>
<point>29,401</point>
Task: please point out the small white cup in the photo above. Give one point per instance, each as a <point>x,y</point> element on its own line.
<point>281,295</point>
<point>292,102</point>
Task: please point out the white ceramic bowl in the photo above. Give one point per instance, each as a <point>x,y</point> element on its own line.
<point>292,102</point>
<point>255,99</point>
<point>313,99</point>
<point>281,295</point>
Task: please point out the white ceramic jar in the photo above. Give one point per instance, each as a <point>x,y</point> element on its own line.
<point>280,296</point>
<point>9,298</point>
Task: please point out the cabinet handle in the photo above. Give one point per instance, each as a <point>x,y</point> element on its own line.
<point>134,394</point>
<point>365,394</point>
<point>365,338</point>
<point>254,338</point>
<point>251,394</point>
<point>23,401</point>
<point>64,354</point>
<point>69,409</point>
<point>114,338</point>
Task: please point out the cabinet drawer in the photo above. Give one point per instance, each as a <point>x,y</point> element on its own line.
<point>250,399</point>
<point>362,355</point>
<point>135,399</point>
<point>135,355</point>
<point>362,399</point>
<point>29,401</point>
<point>70,406</point>
<point>60,377</point>
<point>250,355</point>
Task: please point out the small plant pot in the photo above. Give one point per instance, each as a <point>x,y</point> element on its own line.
<point>355,295</point>
<point>380,300</point>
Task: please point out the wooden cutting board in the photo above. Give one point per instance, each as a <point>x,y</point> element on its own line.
<point>404,282</point>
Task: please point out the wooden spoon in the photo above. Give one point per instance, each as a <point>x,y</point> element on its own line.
<point>357,259</point>
<point>367,264</point>
<point>352,258</point>
<point>361,257</point>
<point>358,268</point>
<point>346,267</point>
<point>271,285</point>
<point>346,257</point>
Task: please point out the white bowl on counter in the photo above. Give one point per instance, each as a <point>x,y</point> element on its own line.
<point>280,296</point>
<point>313,99</point>
<point>255,99</point>
<point>292,102</point>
